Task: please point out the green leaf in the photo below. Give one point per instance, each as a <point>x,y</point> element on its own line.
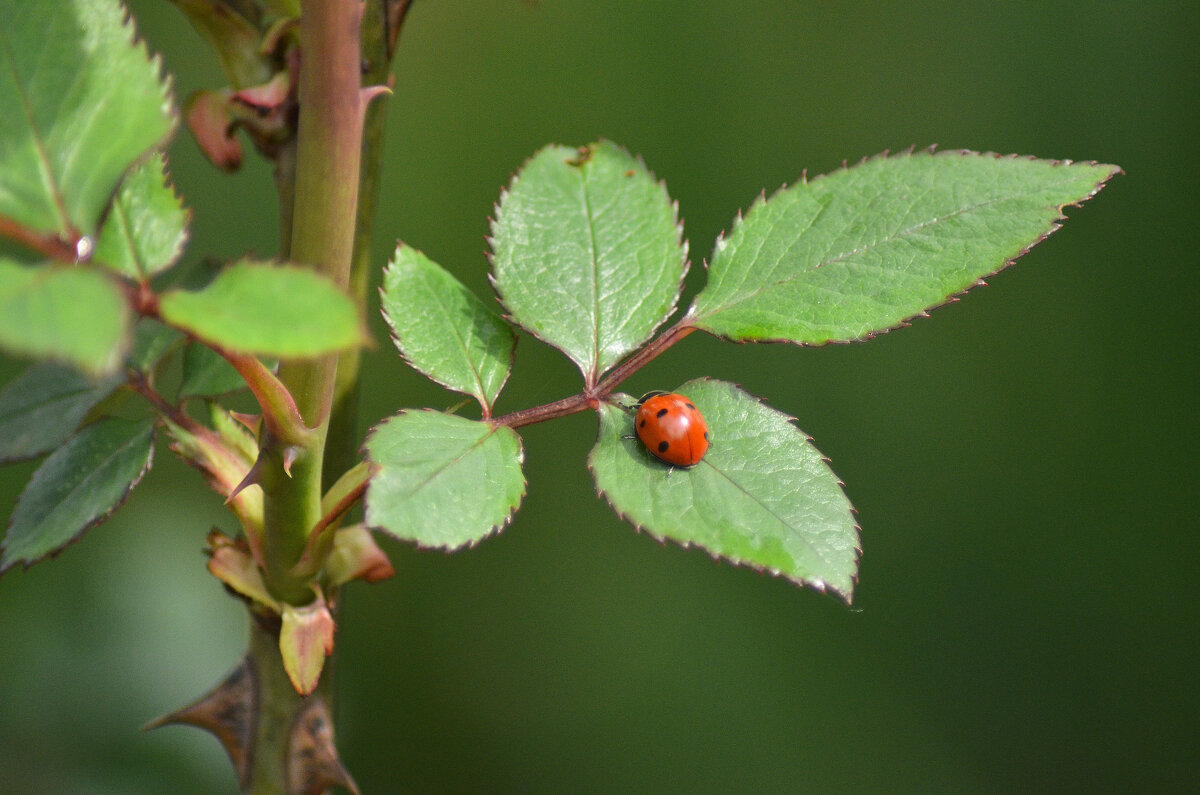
<point>74,314</point>
<point>235,41</point>
<point>763,496</point>
<point>43,406</point>
<point>207,374</point>
<point>443,480</point>
<point>151,342</point>
<point>442,329</point>
<point>76,488</point>
<point>146,227</point>
<point>352,479</point>
<point>861,250</point>
<point>80,101</point>
<point>588,253</point>
<point>270,310</point>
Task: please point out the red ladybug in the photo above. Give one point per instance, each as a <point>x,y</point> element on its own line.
<point>671,428</point>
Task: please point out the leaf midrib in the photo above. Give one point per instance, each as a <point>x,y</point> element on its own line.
<point>100,467</point>
<point>882,241</point>
<point>48,180</point>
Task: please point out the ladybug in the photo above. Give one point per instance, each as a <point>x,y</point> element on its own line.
<point>671,428</point>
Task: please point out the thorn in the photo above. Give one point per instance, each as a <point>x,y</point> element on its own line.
<point>313,765</point>
<point>368,93</point>
<point>226,712</point>
<point>251,479</point>
<point>290,454</point>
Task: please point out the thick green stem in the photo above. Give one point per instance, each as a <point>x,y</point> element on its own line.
<point>277,705</point>
<point>291,753</point>
<point>341,451</point>
<point>328,151</point>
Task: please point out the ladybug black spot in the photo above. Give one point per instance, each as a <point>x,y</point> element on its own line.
<point>662,446</point>
<point>690,406</point>
<point>706,436</point>
<point>661,413</point>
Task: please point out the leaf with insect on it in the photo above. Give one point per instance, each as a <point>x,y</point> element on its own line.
<point>763,496</point>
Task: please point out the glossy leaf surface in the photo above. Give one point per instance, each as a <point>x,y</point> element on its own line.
<point>442,329</point>
<point>588,253</point>
<point>271,310</point>
<point>443,480</point>
<point>146,227</point>
<point>763,496</point>
<point>80,101</point>
<point>859,251</point>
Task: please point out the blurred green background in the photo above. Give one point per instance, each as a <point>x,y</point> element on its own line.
<point>1023,462</point>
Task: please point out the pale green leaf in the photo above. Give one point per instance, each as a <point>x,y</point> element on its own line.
<point>80,101</point>
<point>42,407</point>
<point>272,310</point>
<point>588,253</point>
<point>861,250</point>
<point>71,313</point>
<point>442,329</point>
<point>146,226</point>
<point>763,496</point>
<point>442,480</point>
<point>78,486</point>
<point>350,481</point>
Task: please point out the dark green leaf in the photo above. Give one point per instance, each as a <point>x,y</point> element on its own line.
<point>146,227</point>
<point>443,480</point>
<point>442,329</point>
<point>76,488</point>
<point>859,251</point>
<point>151,342</point>
<point>74,314</point>
<point>763,496</point>
<point>207,374</point>
<point>588,253</point>
<point>43,406</point>
<point>272,310</point>
<point>79,103</point>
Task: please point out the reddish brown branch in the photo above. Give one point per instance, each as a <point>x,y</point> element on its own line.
<point>591,399</point>
<point>48,245</point>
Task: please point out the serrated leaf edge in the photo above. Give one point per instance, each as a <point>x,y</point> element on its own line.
<point>495,529</point>
<point>815,584</point>
<point>512,352</point>
<point>93,522</point>
<point>682,242</point>
<point>168,183</point>
<point>930,151</point>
